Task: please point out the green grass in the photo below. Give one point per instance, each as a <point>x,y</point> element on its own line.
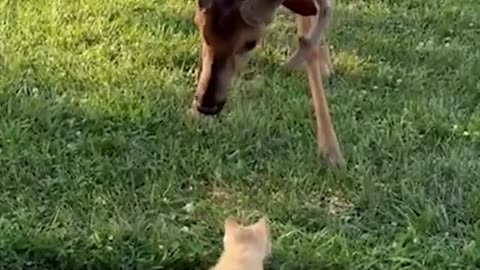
<point>98,157</point>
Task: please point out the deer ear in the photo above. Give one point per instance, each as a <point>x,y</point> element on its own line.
<point>301,7</point>
<point>204,5</point>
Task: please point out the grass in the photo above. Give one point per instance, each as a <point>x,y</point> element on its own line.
<point>98,158</point>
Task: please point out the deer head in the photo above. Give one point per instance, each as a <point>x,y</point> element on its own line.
<point>230,30</point>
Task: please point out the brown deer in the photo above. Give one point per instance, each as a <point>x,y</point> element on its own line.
<point>230,29</point>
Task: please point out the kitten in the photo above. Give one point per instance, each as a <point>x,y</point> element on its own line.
<point>244,247</point>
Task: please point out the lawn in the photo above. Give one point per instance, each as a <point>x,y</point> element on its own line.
<point>102,168</point>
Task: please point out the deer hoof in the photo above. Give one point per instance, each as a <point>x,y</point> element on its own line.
<point>334,159</point>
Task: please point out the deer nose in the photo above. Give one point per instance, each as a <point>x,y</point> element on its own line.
<point>208,109</point>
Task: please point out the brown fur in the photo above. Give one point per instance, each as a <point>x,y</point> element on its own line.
<point>230,29</point>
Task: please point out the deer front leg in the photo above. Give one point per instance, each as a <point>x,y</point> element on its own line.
<point>326,136</point>
<point>318,60</point>
<point>304,24</point>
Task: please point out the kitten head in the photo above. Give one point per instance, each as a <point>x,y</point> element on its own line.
<point>247,242</point>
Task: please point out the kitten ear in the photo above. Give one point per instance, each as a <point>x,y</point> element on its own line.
<point>262,225</point>
<point>230,225</point>
<point>262,231</point>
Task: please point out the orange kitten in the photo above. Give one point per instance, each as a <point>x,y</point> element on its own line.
<point>244,247</point>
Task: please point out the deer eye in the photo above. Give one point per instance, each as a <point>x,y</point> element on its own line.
<point>250,45</point>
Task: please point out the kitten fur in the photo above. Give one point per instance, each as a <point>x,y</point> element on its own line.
<point>244,247</point>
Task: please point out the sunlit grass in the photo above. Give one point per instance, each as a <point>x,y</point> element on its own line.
<point>102,168</point>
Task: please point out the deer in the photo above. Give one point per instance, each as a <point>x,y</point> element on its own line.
<point>230,30</point>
